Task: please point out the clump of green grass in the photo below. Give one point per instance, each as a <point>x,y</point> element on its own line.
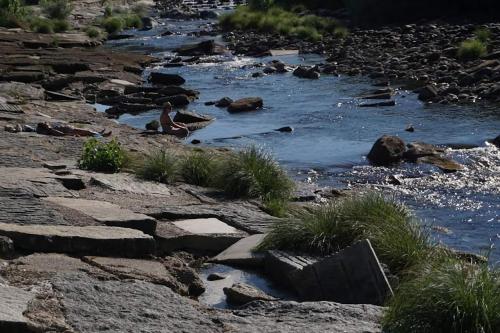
<point>199,168</point>
<point>13,14</point>
<point>446,296</point>
<point>472,49</point>
<point>253,173</point>
<point>277,20</point>
<point>397,239</point>
<point>160,166</point>
<point>482,34</point>
<point>42,26</point>
<point>56,9</point>
<point>60,25</point>
<point>101,156</point>
<point>116,23</point>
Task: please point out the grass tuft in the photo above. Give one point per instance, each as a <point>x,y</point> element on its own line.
<point>472,49</point>
<point>198,168</point>
<point>101,156</point>
<point>253,173</point>
<point>56,9</point>
<point>447,296</point>
<point>93,32</point>
<point>396,237</point>
<point>159,166</point>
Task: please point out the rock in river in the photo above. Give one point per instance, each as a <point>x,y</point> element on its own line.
<point>306,72</point>
<point>167,79</point>
<point>387,150</point>
<point>224,102</point>
<point>208,47</point>
<point>246,104</point>
<point>241,293</point>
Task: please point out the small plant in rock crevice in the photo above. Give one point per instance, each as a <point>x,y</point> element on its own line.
<point>101,156</point>
<point>160,166</point>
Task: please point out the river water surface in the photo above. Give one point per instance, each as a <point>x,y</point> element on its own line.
<point>333,135</point>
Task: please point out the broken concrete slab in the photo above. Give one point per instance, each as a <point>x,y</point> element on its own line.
<point>205,226</point>
<point>241,293</point>
<point>91,240</point>
<point>282,266</point>
<point>108,213</point>
<point>241,253</point>
<point>351,276</point>
<point>14,302</point>
<point>170,237</point>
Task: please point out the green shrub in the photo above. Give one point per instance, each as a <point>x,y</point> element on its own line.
<point>447,296</point>
<point>60,25</point>
<point>42,26</point>
<point>132,21</point>
<point>56,9</point>
<point>159,166</point>
<point>100,156</point>
<point>113,24</point>
<point>12,14</point>
<point>108,11</point>
<point>397,239</point>
<point>198,168</point>
<point>254,173</point>
<point>93,32</point>
<point>472,49</point>
<point>260,4</point>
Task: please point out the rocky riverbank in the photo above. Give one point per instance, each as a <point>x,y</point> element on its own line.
<point>423,57</point>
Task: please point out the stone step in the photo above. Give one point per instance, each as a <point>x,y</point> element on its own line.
<point>282,266</point>
<point>14,302</point>
<point>241,253</point>
<point>90,240</point>
<point>108,214</point>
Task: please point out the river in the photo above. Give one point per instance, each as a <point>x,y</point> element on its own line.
<point>332,135</point>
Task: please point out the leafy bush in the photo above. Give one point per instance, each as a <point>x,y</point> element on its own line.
<point>56,9</point>
<point>472,49</point>
<point>60,25</point>
<point>447,296</point>
<point>198,168</point>
<point>483,34</point>
<point>12,14</point>
<point>113,24</point>
<point>396,237</point>
<point>132,21</point>
<point>101,156</point>
<point>254,173</point>
<point>93,32</point>
<point>260,4</point>
<point>159,166</point>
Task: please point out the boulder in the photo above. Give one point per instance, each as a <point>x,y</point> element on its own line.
<point>387,150</point>
<point>417,150</point>
<point>153,125</point>
<point>287,129</point>
<point>148,23</point>
<point>176,100</point>
<point>496,141</point>
<point>166,79</point>
<point>427,93</point>
<point>216,277</point>
<point>224,102</point>
<point>351,276</point>
<point>187,117</point>
<point>176,90</point>
<point>307,72</point>
<point>6,247</point>
<point>241,293</point>
<point>246,104</point>
<point>208,47</point>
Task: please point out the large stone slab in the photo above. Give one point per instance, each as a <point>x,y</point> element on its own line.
<point>91,240</point>
<point>13,302</point>
<point>282,266</point>
<point>205,226</point>
<point>214,236</point>
<point>352,276</point>
<point>241,253</point>
<point>108,213</point>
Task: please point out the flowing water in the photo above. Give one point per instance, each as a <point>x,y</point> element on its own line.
<point>333,135</point>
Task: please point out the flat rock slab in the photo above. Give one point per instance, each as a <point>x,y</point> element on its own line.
<point>351,276</point>
<point>108,213</point>
<point>14,302</point>
<point>170,237</point>
<point>122,182</point>
<point>93,305</point>
<point>91,240</point>
<point>241,252</point>
<point>205,226</point>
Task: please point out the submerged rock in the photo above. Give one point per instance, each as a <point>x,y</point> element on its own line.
<point>417,150</point>
<point>216,277</point>
<point>496,141</point>
<point>427,93</point>
<point>241,293</point>
<point>287,129</point>
<point>224,102</point>
<point>307,73</point>
<point>209,47</point>
<point>246,104</point>
<point>387,150</point>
